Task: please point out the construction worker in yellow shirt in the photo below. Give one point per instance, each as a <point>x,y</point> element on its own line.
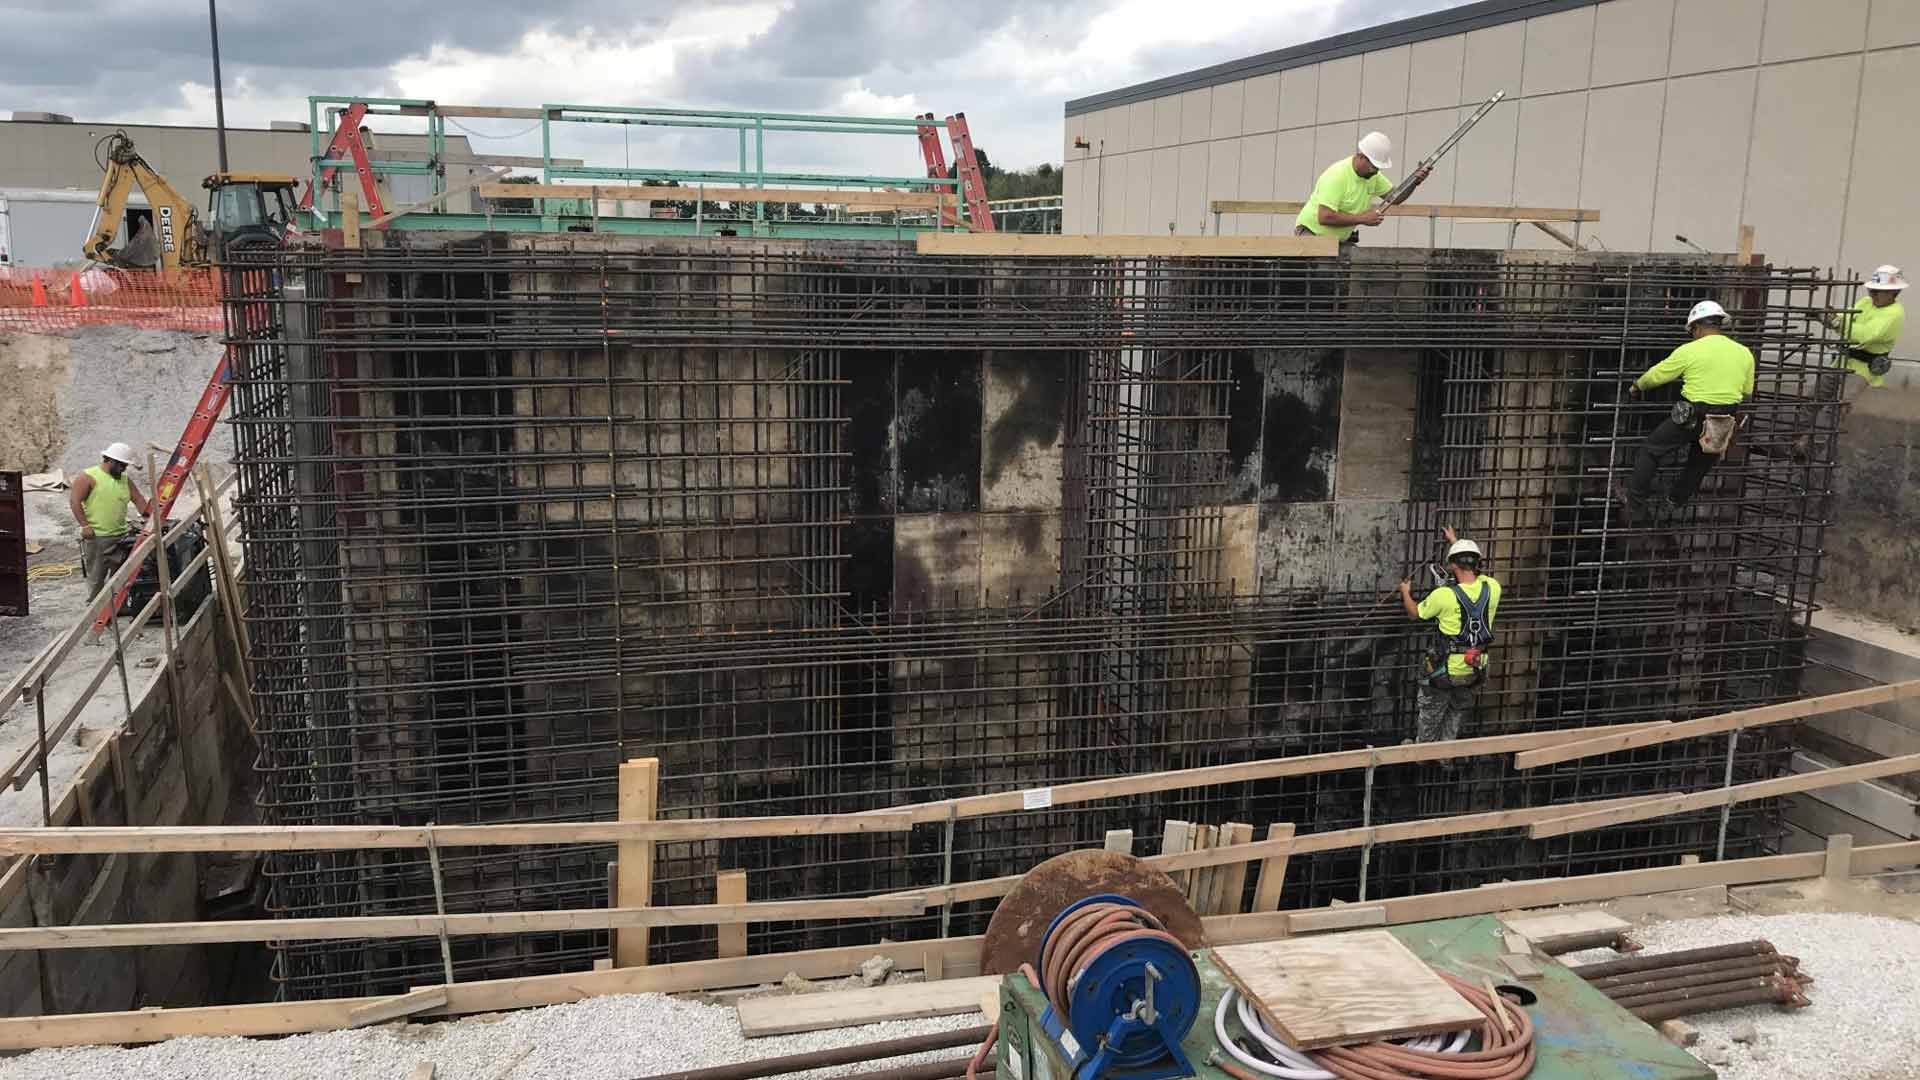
<point>1462,611</point>
<point>1872,327</point>
<point>1716,374</point>
<point>1343,196</point>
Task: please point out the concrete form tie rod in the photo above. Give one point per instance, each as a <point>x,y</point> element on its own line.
<point>1667,1010</point>
<point>1785,964</point>
<point>1685,956</point>
<point>1691,993</point>
<point>846,1055</point>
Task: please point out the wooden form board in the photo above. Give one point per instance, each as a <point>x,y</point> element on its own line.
<point>1445,210</point>
<point>959,243</point>
<point>1559,924</point>
<point>1347,988</point>
<point>787,1014</point>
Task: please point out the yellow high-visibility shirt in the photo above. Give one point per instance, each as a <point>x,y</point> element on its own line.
<point>1871,329</point>
<point>1443,606</point>
<point>1346,192</point>
<point>1714,370</point>
<point>106,505</point>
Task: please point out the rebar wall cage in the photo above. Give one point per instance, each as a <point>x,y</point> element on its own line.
<point>830,526</point>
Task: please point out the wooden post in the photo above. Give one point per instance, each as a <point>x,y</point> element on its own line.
<point>730,887</point>
<point>639,801</point>
<point>350,226</point>
<point>226,581</point>
<point>1839,857</point>
<point>1273,871</point>
<point>1200,880</point>
<point>1175,837</point>
<point>1746,246</point>
<point>1120,840</point>
<point>1230,883</point>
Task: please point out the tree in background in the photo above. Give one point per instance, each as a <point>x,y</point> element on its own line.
<point>1040,181</point>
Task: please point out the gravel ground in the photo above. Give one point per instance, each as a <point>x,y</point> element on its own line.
<point>1865,1018</point>
<point>136,387</point>
<point>609,1038</point>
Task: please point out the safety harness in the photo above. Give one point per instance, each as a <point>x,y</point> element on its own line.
<point>1472,642</point>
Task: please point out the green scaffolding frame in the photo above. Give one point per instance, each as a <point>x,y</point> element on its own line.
<point>578,215</point>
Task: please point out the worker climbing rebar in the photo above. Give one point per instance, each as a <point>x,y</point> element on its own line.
<point>1455,662</point>
<point>1716,374</point>
<point>1872,328</point>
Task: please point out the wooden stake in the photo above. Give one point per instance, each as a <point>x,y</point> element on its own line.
<point>1839,857</point>
<point>1273,871</point>
<point>730,887</point>
<point>639,801</point>
<point>1746,246</point>
<point>1120,840</point>
<point>1230,881</point>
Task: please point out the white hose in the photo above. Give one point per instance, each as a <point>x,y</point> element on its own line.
<point>1291,1064</point>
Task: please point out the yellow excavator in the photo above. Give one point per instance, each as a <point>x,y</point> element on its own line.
<point>244,209</point>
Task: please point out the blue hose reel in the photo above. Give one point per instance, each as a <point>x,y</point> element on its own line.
<point>1131,998</point>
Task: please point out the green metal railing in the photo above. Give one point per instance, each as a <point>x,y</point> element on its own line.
<point>562,215</point>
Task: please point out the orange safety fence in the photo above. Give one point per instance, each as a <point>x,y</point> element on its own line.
<point>40,300</point>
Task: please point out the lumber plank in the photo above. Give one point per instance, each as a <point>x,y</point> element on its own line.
<point>1344,917</point>
<point>1200,881</point>
<point>457,925</point>
<point>730,887</point>
<point>285,1018</point>
<point>1273,870</point>
<point>1120,840</point>
<point>350,219</point>
<point>1175,837</point>
<point>789,1014</point>
<point>869,199</point>
<point>1230,880</point>
<point>1061,244</point>
<point>1334,991</point>
<point>179,838</point>
<point>407,1004</point>
<point>1614,742</point>
<point>1445,210</point>
<point>639,800</point>
<point>1006,802</point>
<point>1724,796</point>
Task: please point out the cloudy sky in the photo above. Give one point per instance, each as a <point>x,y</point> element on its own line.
<point>1009,65</point>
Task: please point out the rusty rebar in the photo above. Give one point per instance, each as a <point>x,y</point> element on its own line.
<point>1646,962</point>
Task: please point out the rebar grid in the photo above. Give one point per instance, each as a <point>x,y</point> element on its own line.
<point>514,516</point>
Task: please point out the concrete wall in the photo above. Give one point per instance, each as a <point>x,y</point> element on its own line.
<point>1667,116</point>
<point>1874,542</point>
<point>178,762</point>
<point>1851,653</point>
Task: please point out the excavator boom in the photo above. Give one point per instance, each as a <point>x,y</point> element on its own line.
<point>176,223</point>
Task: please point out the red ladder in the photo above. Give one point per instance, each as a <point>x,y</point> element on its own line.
<point>973,185</point>
<point>347,143</point>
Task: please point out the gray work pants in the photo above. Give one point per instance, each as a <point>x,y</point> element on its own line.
<point>100,557</point>
<point>1442,709</point>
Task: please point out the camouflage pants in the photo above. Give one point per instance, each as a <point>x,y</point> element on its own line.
<point>1442,708</point>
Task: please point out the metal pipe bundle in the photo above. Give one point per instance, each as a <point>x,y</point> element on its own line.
<point>1666,985</point>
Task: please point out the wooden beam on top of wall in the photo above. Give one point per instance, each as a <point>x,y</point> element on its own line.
<point>1067,245</point>
<point>1445,210</point>
<point>867,200</point>
<point>1614,742</point>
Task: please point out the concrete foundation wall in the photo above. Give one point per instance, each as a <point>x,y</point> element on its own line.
<point>1874,544</point>
<point>182,761</point>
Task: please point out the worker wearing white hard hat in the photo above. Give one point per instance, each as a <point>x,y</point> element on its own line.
<point>1462,610</point>
<point>1716,375</point>
<point>1343,195</point>
<point>98,500</point>
<point>1872,328</point>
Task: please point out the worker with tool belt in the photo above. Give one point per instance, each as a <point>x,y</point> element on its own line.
<point>1872,327</point>
<point>1343,196</point>
<point>1716,374</point>
<point>98,499</point>
<point>1456,661</point>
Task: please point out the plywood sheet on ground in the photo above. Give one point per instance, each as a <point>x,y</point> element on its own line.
<point>1344,988</point>
<point>789,1013</point>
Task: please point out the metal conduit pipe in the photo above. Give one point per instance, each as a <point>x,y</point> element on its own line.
<point>845,1055</point>
<point>1668,1010</point>
<point>1672,959</point>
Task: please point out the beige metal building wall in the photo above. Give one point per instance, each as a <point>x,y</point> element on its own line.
<point>1667,116</point>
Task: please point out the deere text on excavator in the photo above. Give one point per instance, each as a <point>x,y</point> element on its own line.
<point>244,209</point>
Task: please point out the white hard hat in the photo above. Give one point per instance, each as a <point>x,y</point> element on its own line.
<point>119,452</point>
<point>1705,309</point>
<point>1887,279</point>
<point>1463,547</point>
<point>1378,149</point>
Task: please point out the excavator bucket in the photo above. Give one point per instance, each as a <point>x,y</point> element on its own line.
<point>142,250</point>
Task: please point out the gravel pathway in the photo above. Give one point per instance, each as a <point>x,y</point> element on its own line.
<point>609,1038</point>
<point>1864,1022</point>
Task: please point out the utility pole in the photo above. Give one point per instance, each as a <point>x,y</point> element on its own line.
<point>219,105</point>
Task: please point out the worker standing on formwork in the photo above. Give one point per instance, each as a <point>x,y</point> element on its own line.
<point>1716,374</point>
<point>1455,663</point>
<point>98,499</point>
<point>1343,196</point>
<point>1872,327</point>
